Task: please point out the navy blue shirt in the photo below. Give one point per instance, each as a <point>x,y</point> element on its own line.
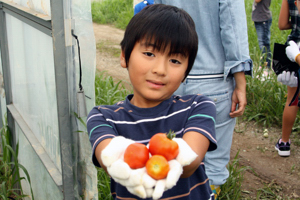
<point>180,114</point>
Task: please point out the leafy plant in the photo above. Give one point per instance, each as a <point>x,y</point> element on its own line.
<point>232,188</point>
<point>265,95</point>
<point>109,91</point>
<point>266,98</point>
<point>103,185</point>
<point>10,178</point>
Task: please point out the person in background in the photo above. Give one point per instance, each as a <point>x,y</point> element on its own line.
<point>219,71</point>
<point>262,18</point>
<point>138,7</point>
<point>289,19</point>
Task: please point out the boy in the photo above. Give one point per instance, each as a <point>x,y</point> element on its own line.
<point>158,49</point>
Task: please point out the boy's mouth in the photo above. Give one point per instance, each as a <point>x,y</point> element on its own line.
<point>155,84</point>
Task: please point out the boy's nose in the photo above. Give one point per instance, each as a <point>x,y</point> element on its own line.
<point>160,68</point>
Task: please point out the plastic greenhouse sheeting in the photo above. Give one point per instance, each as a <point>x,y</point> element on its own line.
<point>34,90</point>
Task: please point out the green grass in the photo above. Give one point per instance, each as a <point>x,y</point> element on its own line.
<point>232,189</point>
<point>10,179</point>
<point>115,12</point>
<point>107,91</point>
<point>266,99</point>
<point>109,48</point>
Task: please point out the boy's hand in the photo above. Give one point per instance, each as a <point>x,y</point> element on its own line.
<point>288,78</point>
<point>185,157</point>
<point>115,150</point>
<point>156,188</point>
<point>292,51</point>
<point>137,181</point>
<point>112,158</point>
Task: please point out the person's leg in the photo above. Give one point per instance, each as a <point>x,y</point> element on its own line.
<point>289,115</point>
<point>220,92</point>
<point>259,26</point>
<point>217,160</point>
<point>266,41</point>
<point>260,32</point>
<point>288,119</point>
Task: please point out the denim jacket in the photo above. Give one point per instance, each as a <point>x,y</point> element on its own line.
<point>223,40</point>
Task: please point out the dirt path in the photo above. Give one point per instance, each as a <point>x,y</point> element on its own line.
<point>108,41</point>
<point>256,151</point>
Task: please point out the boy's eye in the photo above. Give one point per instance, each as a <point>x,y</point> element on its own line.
<point>149,54</point>
<point>175,61</point>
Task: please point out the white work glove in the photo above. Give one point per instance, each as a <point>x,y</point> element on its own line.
<point>156,188</point>
<point>137,181</point>
<point>113,158</point>
<point>288,78</point>
<point>292,51</point>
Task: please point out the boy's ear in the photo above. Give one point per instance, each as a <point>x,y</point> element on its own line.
<point>122,60</point>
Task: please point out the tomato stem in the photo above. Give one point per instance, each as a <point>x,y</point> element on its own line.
<point>171,134</point>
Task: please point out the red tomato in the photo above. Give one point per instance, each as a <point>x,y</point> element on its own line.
<point>157,167</point>
<point>136,155</point>
<point>160,144</point>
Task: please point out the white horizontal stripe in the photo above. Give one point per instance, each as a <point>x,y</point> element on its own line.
<point>93,116</point>
<point>205,76</point>
<point>202,130</point>
<point>206,102</point>
<point>149,120</point>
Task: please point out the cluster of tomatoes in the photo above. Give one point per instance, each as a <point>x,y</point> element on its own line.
<point>162,149</point>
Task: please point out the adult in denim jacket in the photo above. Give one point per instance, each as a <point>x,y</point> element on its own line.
<point>219,70</point>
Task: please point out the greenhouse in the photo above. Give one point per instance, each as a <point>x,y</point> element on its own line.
<point>47,70</point>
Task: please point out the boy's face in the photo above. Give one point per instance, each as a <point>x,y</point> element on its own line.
<point>154,75</point>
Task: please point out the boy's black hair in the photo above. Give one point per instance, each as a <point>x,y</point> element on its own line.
<point>162,25</point>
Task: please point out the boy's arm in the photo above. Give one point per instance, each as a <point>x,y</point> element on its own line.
<point>199,144</point>
<point>99,150</point>
<point>283,20</point>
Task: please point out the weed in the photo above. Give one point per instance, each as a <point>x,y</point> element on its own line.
<point>270,191</point>
<point>10,179</point>
<point>103,185</point>
<point>107,91</point>
<point>266,97</point>
<point>232,188</point>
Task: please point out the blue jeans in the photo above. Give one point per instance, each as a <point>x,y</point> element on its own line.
<point>220,92</point>
<point>263,35</point>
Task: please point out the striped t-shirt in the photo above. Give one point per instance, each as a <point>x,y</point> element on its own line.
<point>180,114</point>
